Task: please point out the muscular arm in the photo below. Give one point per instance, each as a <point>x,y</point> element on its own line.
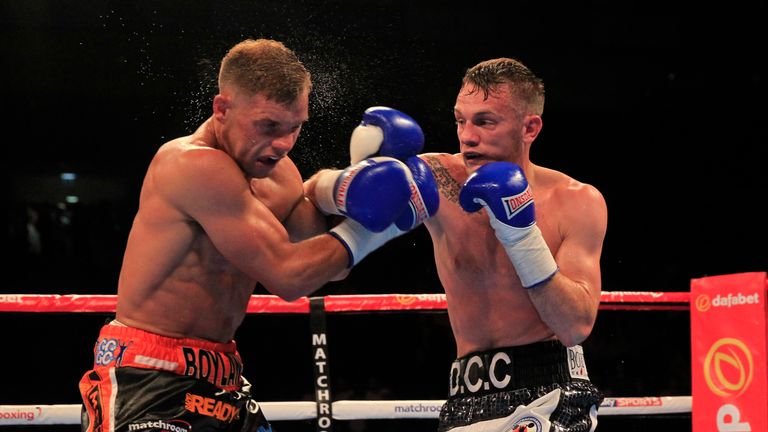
<point>309,189</point>
<point>568,302</point>
<point>305,221</point>
<point>210,189</point>
<point>313,221</point>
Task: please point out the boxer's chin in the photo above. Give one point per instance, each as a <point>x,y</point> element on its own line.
<point>262,167</point>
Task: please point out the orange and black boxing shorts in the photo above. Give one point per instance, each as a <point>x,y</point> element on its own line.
<point>142,381</point>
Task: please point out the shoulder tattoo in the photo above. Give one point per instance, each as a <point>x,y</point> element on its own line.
<point>448,186</point>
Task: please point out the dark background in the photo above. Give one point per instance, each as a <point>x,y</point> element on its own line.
<point>660,105</point>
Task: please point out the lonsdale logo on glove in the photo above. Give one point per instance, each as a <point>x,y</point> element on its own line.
<point>343,187</point>
<point>516,203</point>
<point>515,225</point>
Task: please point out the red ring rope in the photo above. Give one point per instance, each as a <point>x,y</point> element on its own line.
<point>616,300</point>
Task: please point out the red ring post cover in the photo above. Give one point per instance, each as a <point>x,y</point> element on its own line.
<point>728,353</point>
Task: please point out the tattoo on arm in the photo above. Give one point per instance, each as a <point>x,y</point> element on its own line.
<point>448,186</point>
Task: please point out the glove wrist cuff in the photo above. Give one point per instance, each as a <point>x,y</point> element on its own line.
<point>532,258</point>
<point>324,191</point>
<point>359,242</point>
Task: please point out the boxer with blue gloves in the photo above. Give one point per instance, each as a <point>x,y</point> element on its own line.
<point>221,212</point>
<point>522,281</point>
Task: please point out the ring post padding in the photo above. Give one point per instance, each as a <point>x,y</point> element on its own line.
<point>729,352</point>
<point>321,364</point>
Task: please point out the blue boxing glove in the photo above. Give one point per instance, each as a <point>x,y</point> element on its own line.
<point>385,132</point>
<point>425,198</point>
<point>373,192</point>
<point>501,187</point>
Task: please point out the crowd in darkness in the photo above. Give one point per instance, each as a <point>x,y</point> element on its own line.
<point>64,248</point>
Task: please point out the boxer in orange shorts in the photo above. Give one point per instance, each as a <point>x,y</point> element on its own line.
<point>187,384</point>
<point>221,211</point>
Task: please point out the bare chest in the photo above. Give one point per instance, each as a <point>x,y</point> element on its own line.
<point>467,250</point>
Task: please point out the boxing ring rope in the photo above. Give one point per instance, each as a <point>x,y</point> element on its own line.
<point>106,303</point>
<point>66,414</point>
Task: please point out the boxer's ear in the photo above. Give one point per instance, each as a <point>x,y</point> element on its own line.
<point>221,105</point>
<point>531,127</point>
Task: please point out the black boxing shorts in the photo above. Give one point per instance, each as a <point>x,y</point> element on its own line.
<point>142,381</point>
<point>541,387</point>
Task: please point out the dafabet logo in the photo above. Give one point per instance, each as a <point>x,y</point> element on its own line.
<point>728,367</point>
<point>702,303</point>
<point>405,299</point>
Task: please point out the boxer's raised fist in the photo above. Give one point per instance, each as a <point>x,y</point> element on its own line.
<point>388,132</point>
<point>502,189</point>
<point>373,192</point>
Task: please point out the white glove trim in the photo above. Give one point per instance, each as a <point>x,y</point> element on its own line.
<point>326,181</point>
<point>365,141</point>
<point>359,242</point>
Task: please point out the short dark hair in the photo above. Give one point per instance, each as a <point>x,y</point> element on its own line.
<point>486,76</point>
<point>265,66</point>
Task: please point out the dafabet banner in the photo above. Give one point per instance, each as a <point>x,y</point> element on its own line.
<point>728,351</point>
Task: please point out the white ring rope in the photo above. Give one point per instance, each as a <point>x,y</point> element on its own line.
<point>30,415</point>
